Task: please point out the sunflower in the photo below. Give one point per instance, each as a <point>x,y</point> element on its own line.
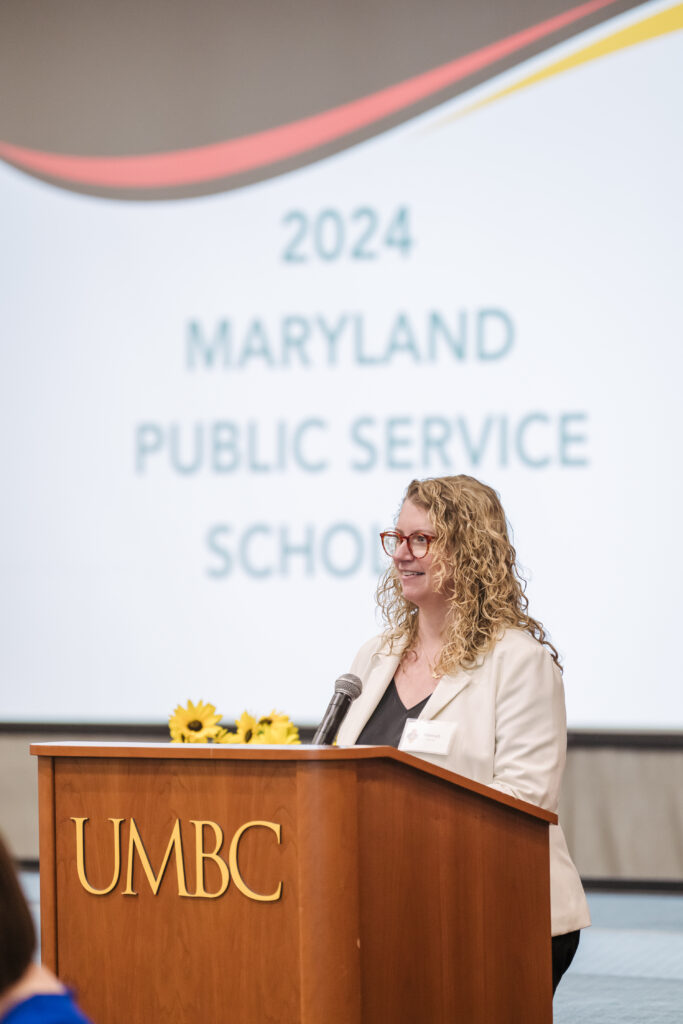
<point>247,729</point>
<point>273,728</point>
<point>277,728</point>
<point>197,723</point>
<point>225,736</point>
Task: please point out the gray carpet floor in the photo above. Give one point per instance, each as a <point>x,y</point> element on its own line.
<point>628,969</point>
<point>629,965</point>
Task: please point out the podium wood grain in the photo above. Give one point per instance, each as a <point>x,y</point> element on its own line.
<point>409,893</point>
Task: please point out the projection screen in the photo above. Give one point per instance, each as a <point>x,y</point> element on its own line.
<point>439,246</point>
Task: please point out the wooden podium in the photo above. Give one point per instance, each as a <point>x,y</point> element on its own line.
<point>292,885</point>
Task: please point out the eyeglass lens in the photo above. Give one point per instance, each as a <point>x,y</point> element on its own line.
<point>418,544</point>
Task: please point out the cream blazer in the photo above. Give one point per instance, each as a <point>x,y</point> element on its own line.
<point>510,734</point>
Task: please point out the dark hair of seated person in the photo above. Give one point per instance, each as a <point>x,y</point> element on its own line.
<point>17,934</point>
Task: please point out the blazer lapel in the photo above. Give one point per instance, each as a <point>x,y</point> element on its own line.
<point>382,669</point>
<point>447,689</point>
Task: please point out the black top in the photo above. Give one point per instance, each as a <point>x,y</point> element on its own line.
<point>385,725</point>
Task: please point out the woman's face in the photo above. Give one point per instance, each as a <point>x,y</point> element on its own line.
<point>415,573</point>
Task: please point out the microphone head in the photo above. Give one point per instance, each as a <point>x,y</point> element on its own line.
<point>349,684</point>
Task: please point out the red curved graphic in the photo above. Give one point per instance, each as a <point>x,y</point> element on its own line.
<point>225,159</point>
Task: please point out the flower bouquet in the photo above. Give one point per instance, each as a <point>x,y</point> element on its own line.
<point>199,723</point>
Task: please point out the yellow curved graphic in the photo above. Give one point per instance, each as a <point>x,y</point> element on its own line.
<point>649,28</point>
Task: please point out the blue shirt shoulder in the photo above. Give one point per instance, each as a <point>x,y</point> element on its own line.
<point>53,1008</point>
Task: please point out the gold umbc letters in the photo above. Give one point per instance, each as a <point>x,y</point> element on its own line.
<point>175,847</point>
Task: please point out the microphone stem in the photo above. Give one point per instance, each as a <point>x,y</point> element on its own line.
<point>332,720</point>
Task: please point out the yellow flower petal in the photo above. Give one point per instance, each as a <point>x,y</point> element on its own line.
<point>196,723</point>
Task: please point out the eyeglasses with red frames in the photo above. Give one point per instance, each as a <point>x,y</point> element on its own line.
<point>418,542</point>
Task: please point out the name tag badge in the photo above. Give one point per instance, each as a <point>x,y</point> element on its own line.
<point>420,736</point>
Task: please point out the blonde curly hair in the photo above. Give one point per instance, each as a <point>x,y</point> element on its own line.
<point>474,563</point>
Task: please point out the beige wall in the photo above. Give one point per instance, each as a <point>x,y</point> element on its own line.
<point>621,806</point>
<point>623,813</point>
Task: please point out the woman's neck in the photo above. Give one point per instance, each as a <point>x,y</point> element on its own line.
<point>430,628</point>
<point>34,981</point>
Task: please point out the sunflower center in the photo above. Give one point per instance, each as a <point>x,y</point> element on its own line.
<point>265,721</point>
<point>195,725</point>
<point>248,734</point>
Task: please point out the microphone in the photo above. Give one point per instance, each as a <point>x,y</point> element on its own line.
<point>346,689</point>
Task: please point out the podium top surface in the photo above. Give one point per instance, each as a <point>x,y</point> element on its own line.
<point>262,752</point>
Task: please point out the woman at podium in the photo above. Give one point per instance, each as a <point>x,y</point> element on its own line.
<point>461,649</point>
